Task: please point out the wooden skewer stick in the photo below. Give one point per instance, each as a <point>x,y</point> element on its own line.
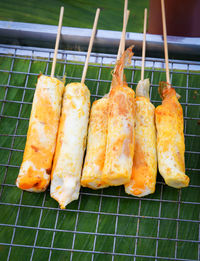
<point>120,51</point>
<point>57,41</point>
<point>90,45</point>
<point>124,26</point>
<point>123,38</point>
<point>165,40</point>
<point>144,43</point>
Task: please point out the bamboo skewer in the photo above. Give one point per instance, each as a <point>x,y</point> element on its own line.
<point>90,45</point>
<point>120,51</point>
<point>124,25</point>
<point>57,41</point>
<point>122,40</point>
<point>144,43</point>
<point>125,20</point>
<point>165,40</point>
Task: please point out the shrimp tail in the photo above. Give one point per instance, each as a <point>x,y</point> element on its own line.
<point>125,60</point>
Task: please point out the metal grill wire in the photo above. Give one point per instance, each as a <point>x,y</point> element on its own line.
<point>183,202</point>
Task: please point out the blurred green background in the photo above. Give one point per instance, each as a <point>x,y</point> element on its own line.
<point>78,13</point>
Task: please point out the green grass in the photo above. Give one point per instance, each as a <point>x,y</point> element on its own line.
<point>128,208</point>
<point>78,13</point>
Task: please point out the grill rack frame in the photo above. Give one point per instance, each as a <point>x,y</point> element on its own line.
<point>16,52</point>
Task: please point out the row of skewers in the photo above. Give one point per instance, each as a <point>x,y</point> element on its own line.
<point>126,135</point>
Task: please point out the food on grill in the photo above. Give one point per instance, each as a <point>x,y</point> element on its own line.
<point>144,170</point>
<point>120,131</point>
<point>97,134</point>
<point>96,145</point>
<point>170,138</point>
<point>35,169</point>
<point>71,142</point>
<point>34,174</point>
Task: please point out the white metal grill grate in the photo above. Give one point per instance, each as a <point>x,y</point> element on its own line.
<point>137,227</point>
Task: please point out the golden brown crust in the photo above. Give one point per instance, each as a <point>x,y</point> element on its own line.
<point>120,138</point>
<point>144,170</point>
<point>96,146</point>
<point>41,137</point>
<point>170,140</point>
<point>115,148</point>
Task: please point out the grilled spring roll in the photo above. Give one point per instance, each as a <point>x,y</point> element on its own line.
<point>71,142</point>
<point>143,179</point>
<point>34,174</point>
<point>120,138</point>
<point>96,146</point>
<point>170,138</point>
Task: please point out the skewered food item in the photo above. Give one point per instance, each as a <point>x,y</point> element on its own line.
<point>170,138</point>
<point>144,170</point>
<point>35,170</point>
<point>71,142</point>
<point>169,125</point>
<point>120,131</point>
<point>34,174</point>
<point>96,145</point>
<point>97,134</point>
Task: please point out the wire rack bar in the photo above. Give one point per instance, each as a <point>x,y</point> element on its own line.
<point>96,252</point>
<point>102,213</point>
<point>97,234</point>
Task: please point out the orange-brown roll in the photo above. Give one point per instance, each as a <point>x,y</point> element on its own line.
<point>120,138</point>
<point>143,179</point>
<point>170,138</point>
<point>34,174</point>
<point>96,145</point>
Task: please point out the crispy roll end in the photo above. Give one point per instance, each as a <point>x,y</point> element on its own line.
<point>32,179</point>
<point>178,181</point>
